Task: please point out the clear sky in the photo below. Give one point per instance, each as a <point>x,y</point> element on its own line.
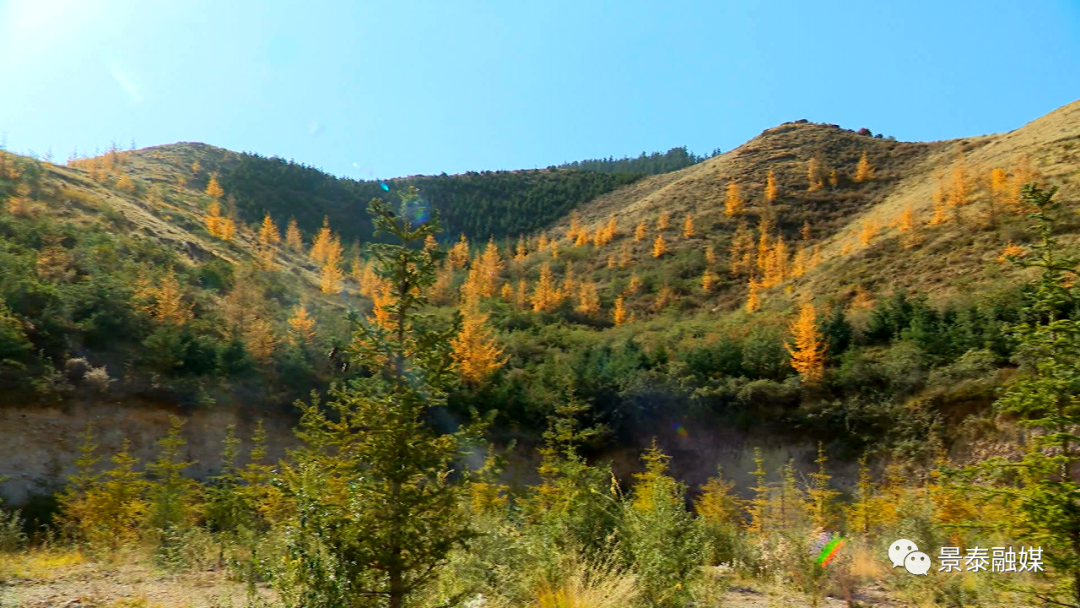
<point>382,89</point>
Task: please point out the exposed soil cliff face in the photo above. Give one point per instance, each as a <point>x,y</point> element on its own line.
<point>39,445</point>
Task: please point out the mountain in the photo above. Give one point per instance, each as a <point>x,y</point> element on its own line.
<point>480,205</point>
<point>116,291</point>
<point>952,261</point>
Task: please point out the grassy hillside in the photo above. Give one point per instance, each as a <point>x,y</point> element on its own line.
<point>480,205</point>
<point>681,345</point>
<point>860,296</point>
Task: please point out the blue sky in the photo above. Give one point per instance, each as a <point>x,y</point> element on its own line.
<point>383,89</point>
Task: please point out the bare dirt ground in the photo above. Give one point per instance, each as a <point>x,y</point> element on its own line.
<point>134,586</point>
<point>66,580</point>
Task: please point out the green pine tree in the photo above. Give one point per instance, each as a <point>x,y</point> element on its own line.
<point>376,510</point>
<point>1041,491</point>
<point>170,494</point>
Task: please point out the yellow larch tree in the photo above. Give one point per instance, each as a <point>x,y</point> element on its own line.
<point>618,314</point>
<point>520,251</point>
<point>196,168</point>
<point>814,175</point>
<point>707,280</point>
<point>269,237</point>
<point>717,503</point>
<point>213,188</point>
<point>320,246</point>
<point>659,248</point>
<point>1022,173</point>
<point>588,300</point>
<point>246,314</point>
<point>758,506</point>
<point>764,242</point>
<point>125,183</point>
<point>430,243</point>
<point>611,261</point>
<point>598,238</point>
<point>733,200</point>
<point>582,238</point>
<point>574,230</point>
<point>1011,252</point>
<point>473,284</point>
<point>663,221</point>
<point>546,296</point>
<point>771,189</point>
<point>381,304</point>
<point>777,264</point>
<point>863,171</point>
<point>441,291</point>
<point>569,282</point>
<point>820,498</point>
<point>998,182</point>
<point>941,204</point>
<point>370,283</point>
<point>710,255</point>
<point>808,352</point>
<point>226,229</point>
<point>331,275</point>
<point>542,242</point>
<point>491,266</point>
<point>294,240</point>
<point>458,256</point>
<point>213,219</point>
<point>664,298</point>
<point>507,292</point>
<point>753,301</point>
<point>625,255</point>
<point>800,262</point>
<point>688,226</point>
<point>741,251</point>
<point>163,302</point>
<point>611,229</point>
<point>521,294</point>
<point>959,190</point>
<point>475,350</point>
<point>834,178</point>
<point>640,232</point>
<point>862,300</point>
<point>908,226</point>
<point>868,231</point>
<point>633,285</point>
<point>301,325</point>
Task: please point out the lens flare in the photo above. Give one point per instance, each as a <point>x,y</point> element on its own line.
<point>416,209</point>
<point>680,430</point>
<point>384,186</point>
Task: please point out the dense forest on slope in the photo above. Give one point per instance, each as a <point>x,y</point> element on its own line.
<point>478,204</point>
<point>646,164</point>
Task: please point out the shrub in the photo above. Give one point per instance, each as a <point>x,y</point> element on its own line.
<point>98,379</point>
<point>12,537</point>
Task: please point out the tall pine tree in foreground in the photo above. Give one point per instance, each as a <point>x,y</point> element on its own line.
<point>1041,490</point>
<point>377,510</point>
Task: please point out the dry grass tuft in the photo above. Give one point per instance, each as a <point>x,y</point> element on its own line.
<point>597,585</point>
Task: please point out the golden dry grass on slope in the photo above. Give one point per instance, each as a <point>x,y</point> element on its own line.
<point>953,259</point>
<point>166,204</point>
